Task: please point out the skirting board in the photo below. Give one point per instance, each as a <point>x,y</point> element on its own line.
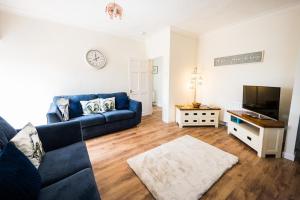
<point>223,123</point>
<point>288,156</point>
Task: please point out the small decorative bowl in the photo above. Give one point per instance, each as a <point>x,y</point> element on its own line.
<point>196,104</point>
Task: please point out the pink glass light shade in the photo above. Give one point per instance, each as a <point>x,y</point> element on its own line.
<point>114,10</point>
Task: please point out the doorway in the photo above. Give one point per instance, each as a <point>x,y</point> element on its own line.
<point>157,83</point>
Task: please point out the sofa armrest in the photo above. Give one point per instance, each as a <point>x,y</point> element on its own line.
<point>136,106</point>
<point>54,115</point>
<point>58,135</point>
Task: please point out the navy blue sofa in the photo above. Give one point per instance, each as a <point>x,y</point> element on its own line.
<point>128,114</point>
<point>65,171</point>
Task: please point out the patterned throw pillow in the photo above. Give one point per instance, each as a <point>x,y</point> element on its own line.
<point>29,143</point>
<point>63,106</point>
<point>107,104</point>
<point>91,107</point>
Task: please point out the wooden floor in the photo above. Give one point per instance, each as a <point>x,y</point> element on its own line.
<point>252,178</point>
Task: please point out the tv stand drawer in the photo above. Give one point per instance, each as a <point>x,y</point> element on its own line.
<point>246,136</point>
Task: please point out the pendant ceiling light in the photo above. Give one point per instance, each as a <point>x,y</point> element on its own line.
<point>114,10</point>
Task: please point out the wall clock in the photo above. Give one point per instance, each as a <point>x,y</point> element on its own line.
<point>96,59</point>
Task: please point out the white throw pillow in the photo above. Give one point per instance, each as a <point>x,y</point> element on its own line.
<point>91,107</point>
<point>28,142</point>
<point>107,104</point>
<point>63,106</point>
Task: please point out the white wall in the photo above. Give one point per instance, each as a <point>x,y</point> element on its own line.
<point>40,59</point>
<point>179,54</point>
<point>289,150</point>
<point>158,81</point>
<point>183,60</point>
<point>277,34</point>
<point>158,45</point>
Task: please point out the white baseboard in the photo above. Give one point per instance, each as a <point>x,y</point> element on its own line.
<point>288,156</point>
<point>223,123</point>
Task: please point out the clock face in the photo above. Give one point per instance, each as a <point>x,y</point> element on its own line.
<point>96,59</point>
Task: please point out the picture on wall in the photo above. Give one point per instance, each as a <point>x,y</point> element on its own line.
<point>253,57</point>
<point>155,70</point>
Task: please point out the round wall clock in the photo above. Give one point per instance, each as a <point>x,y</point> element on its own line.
<point>96,59</point>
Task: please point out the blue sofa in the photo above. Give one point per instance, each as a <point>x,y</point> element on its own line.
<point>65,170</point>
<point>128,114</point>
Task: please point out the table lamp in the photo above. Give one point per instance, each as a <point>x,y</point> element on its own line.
<point>196,80</point>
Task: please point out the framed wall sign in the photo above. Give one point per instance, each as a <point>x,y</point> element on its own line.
<point>239,59</point>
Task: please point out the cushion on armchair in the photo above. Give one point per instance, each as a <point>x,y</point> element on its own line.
<point>27,140</point>
<point>19,179</point>
<point>58,135</point>
<point>63,162</point>
<point>79,186</point>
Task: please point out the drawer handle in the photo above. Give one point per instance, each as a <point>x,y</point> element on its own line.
<point>249,138</point>
<point>203,113</point>
<point>212,120</point>
<point>194,120</point>
<point>212,113</point>
<point>203,120</point>
<point>186,120</point>
<point>195,113</point>
<point>186,113</point>
<point>234,129</point>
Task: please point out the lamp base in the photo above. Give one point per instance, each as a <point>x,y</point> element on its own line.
<point>196,104</point>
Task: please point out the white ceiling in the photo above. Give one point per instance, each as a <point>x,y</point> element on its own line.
<point>195,16</point>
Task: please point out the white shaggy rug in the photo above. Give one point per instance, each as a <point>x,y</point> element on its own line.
<point>183,169</point>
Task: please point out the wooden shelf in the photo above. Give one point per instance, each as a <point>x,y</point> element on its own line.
<point>266,123</point>
<point>249,127</point>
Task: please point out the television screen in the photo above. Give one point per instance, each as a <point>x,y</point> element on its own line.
<point>262,100</point>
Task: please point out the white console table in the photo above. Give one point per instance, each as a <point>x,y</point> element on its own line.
<point>265,136</point>
<point>187,115</point>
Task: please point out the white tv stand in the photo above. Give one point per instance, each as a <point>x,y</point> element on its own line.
<point>263,135</point>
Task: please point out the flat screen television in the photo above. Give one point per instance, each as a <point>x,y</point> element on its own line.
<point>262,100</point>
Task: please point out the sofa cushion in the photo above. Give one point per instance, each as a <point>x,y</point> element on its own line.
<point>63,106</point>
<point>91,107</point>
<point>75,109</point>
<point>118,115</point>
<point>63,162</point>
<point>79,186</point>
<point>6,132</point>
<point>121,99</point>
<point>27,140</point>
<point>108,104</point>
<point>90,120</point>
<point>19,179</point>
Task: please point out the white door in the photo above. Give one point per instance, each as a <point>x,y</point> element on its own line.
<point>140,83</point>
